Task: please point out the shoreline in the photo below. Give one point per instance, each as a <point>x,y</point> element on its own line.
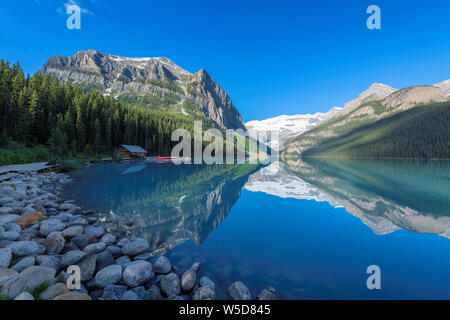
<point>41,235</point>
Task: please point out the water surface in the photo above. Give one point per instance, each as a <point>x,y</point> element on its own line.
<point>310,230</point>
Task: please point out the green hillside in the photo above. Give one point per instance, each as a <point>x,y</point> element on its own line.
<point>421,132</point>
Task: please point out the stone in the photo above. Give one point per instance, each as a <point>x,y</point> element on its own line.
<point>94,248</point>
<point>129,295</point>
<point>5,257</point>
<point>113,292</point>
<point>96,294</point>
<point>97,232</point>
<point>87,267</point>
<point>53,291</point>
<point>24,296</point>
<point>51,225</point>
<point>49,262</point>
<point>204,293</point>
<point>13,227</point>
<point>154,293</point>
<point>104,259</point>
<point>108,239</point>
<point>66,206</point>
<point>6,274</point>
<point>188,280</point>
<point>175,297</point>
<point>141,293</point>
<point>268,294</point>
<point>72,231</point>
<point>109,275</point>
<point>73,296</point>
<point>9,235</point>
<point>29,279</point>
<point>72,257</point>
<point>122,242</point>
<point>54,243</point>
<point>207,282</point>
<point>137,273</point>
<point>135,247</point>
<point>162,265</point>
<point>82,240</point>
<point>5,210</point>
<point>7,218</point>
<point>23,248</point>
<point>196,266</point>
<point>123,260</point>
<point>24,263</point>
<point>170,284</point>
<point>238,291</point>
<point>4,200</point>
<point>115,251</point>
<point>28,209</point>
<point>143,256</point>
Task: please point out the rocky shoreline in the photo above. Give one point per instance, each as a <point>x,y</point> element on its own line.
<point>42,235</point>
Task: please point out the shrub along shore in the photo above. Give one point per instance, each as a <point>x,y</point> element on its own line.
<point>41,235</point>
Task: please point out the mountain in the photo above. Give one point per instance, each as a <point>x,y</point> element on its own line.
<point>376,103</point>
<point>151,82</point>
<point>290,126</point>
<point>368,190</point>
<point>444,86</point>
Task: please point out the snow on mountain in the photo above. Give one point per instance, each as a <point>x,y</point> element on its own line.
<point>290,126</point>
<point>444,86</point>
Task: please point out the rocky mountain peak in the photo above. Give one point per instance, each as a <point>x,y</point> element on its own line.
<point>135,79</point>
<point>444,86</point>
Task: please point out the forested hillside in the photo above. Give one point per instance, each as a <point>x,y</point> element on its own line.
<point>421,132</point>
<point>42,116</point>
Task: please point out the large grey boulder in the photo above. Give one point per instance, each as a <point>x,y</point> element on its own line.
<point>94,247</point>
<point>170,284</point>
<point>23,248</point>
<point>238,291</point>
<point>87,267</point>
<point>135,247</point>
<point>29,279</point>
<point>24,296</point>
<point>162,265</point>
<point>51,225</point>
<point>5,257</point>
<point>137,273</point>
<point>24,263</point>
<point>72,257</point>
<point>54,243</point>
<point>109,275</point>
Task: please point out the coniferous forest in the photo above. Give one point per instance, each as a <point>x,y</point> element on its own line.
<point>41,117</point>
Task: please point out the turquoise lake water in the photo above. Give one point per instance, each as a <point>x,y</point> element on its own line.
<point>310,230</point>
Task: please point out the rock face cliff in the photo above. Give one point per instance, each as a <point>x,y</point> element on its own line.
<point>151,82</point>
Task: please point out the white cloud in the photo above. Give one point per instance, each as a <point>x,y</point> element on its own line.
<point>63,11</point>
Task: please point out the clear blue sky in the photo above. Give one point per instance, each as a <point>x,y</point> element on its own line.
<point>272,57</point>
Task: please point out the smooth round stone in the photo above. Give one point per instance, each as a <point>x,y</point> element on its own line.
<point>113,292</point>
<point>72,231</point>
<point>53,291</point>
<point>51,225</point>
<point>162,265</point>
<point>97,232</point>
<point>135,247</point>
<point>5,257</point>
<point>129,295</point>
<point>115,251</point>
<point>23,248</point>
<point>238,291</point>
<point>108,239</point>
<point>95,248</point>
<point>137,273</point>
<point>9,235</point>
<point>24,296</point>
<point>205,293</point>
<point>123,260</point>
<point>188,280</point>
<point>72,257</point>
<point>170,284</point>
<point>49,262</point>
<point>207,282</point>
<point>109,275</point>
<point>104,259</point>
<point>54,243</point>
<point>24,263</point>
<point>87,267</point>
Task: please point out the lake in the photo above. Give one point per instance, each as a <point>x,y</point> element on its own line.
<point>310,229</point>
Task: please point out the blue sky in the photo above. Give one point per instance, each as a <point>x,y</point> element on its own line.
<point>272,57</point>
